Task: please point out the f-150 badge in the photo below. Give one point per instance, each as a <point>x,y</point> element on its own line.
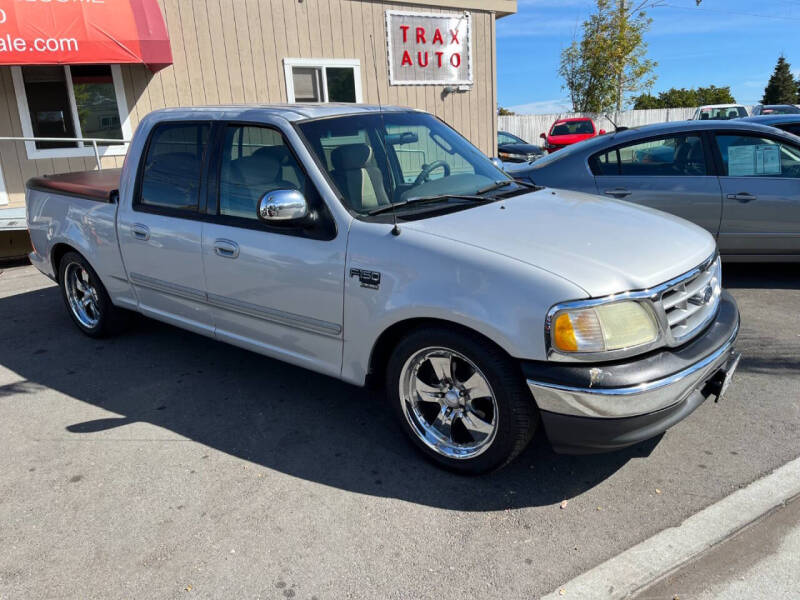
<point>367,279</point>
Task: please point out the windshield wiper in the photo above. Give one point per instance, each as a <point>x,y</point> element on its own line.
<point>529,185</point>
<point>505,183</point>
<point>425,199</point>
<point>495,186</point>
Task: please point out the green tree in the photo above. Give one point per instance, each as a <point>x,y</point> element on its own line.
<point>782,88</point>
<point>685,98</point>
<point>504,112</point>
<point>610,61</point>
<point>715,95</point>
<point>646,101</point>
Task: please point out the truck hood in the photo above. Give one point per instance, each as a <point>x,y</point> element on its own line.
<point>603,246</point>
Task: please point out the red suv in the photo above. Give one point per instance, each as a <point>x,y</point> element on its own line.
<point>569,131</point>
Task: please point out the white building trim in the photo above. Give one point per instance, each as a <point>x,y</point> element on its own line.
<point>82,150</point>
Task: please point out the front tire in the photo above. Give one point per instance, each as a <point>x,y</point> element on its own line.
<point>460,399</point>
<point>87,300</point>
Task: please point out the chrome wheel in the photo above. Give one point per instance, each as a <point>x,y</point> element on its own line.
<point>81,295</point>
<point>448,402</point>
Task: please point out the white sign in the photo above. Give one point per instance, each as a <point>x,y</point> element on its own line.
<point>429,48</point>
<point>752,160</point>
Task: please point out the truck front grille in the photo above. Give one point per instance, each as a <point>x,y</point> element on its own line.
<point>691,301</point>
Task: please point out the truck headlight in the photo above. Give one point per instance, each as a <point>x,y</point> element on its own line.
<point>603,327</point>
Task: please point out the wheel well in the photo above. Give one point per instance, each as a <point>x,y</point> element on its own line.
<point>388,340</point>
<point>57,253</point>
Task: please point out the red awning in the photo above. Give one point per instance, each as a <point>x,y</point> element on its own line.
<point>74,32</point>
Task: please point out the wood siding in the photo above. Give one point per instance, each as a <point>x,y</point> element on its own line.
<point>232,51</point>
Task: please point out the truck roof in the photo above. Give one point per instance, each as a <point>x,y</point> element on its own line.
<point>290,112</point>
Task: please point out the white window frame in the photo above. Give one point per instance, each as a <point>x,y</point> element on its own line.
<point>83,149</point>
<point>322,63</point>
<point>3,192</point>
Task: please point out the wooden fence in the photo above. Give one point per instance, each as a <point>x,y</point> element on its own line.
<point>529,127</point>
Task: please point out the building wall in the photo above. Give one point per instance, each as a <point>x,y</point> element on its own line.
<point>232,51</point>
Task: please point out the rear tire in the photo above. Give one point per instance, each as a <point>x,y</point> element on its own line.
<point>461,400</point>
<point>87,300</point>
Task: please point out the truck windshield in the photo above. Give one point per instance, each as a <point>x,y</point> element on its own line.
<point>378,160</point>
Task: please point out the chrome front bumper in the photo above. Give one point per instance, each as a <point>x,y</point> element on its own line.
<point>598,397</point>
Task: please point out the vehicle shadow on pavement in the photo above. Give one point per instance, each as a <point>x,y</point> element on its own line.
<point>782,276</point>
<point>264,411</point>
<point>762,351</point>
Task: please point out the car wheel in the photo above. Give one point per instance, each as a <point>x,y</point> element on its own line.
<point>461,401</point>
<point>86,298</point>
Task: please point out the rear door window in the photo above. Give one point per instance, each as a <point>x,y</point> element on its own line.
<point>172,168</point>
<point>606,163</point>
<point>670,156</point>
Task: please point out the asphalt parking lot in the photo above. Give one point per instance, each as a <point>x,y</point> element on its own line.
<point>161,464</point>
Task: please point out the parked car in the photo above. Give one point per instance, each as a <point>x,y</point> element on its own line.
<point>719,112</point>
<point>379,245</point>
<point>566,132</point>
<point>775,109</point>
<point>790,123</point>
<point>737,179</point>
<point>513,149</point>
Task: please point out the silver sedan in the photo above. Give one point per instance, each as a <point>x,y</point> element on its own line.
<point>739,180</point>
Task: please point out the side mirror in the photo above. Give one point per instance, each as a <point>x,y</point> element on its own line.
<point>602,132</point>
<point>497,163</point>
<point>543,136</point>
<point>282,206</point>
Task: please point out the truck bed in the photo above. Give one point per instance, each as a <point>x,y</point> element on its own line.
<point>101,186</point>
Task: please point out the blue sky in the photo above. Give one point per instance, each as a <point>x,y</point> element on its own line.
<point>723,42</point>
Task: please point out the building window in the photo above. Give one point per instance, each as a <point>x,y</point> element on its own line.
<point>322,80</point>
<point>80,101</point>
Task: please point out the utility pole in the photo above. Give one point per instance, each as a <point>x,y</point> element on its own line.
<point>620,62</point>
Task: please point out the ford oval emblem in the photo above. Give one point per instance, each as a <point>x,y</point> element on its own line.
<point>704,297</point>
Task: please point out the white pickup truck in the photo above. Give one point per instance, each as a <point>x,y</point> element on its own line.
<point>377,244</point>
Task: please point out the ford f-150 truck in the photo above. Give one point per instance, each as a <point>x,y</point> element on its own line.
<point>378,245</point>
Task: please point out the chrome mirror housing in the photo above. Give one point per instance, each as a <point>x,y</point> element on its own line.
<point>282,206</point>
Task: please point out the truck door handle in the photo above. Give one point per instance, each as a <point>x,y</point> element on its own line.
<point>742,197</point>
<point>226,248</point>
<point>140,232</point>
<point>618,193</point>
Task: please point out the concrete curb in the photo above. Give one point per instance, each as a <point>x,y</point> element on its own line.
<point>643,564</point>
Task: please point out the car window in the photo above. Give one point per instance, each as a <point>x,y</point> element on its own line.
<point>722,113</point>
<point>780,110</point>
<point>414,156</point>
<point>255,160</point>
<point>791,128</point>
<point>173,165</point>
<point>678,155</point>
<point>378,159</point>
<point>606,163</point>
<point>507,138</point>
<point>752,156</point>
<point>572,128</point>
